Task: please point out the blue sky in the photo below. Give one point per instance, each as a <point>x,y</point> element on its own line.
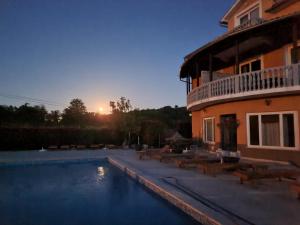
<point>100,50</point>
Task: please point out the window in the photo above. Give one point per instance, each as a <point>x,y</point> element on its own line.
<point>270,130</point>
<point>254,128</point>
<point>250,66</point>
<point>276,130</point>
<point>208,130</point>
<point>244,19</point>
<point>295,55</point>
<point>251,15</point>
<point>292,54</point>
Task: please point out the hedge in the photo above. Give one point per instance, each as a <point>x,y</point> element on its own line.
<point>36,138</point>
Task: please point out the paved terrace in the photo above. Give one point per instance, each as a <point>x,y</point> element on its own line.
<point>267,202</point>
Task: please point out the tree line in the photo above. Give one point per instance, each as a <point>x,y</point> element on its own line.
<point>128,125</point>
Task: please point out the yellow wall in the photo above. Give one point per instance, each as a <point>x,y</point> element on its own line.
<point>266,4</point>
<point>240,108</point>
<point>275,58</point>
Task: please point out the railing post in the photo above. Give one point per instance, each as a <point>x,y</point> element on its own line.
<point>236,84</point>
<point>209,90</point>
<point>296,74</point>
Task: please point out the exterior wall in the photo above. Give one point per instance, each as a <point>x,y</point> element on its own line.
<point>265,4</point>
<point>194,82</point>
<point>228,70</point>
<point>242,6</point>
<point>275,58</point>
<point>241,108</point>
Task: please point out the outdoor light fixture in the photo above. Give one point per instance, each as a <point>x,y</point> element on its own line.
<point>268,101</point>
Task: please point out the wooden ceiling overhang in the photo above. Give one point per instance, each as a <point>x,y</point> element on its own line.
<point>252,41</point>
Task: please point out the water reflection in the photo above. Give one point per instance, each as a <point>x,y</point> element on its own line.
<point>101,173</point>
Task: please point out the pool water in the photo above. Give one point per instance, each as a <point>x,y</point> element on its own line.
<point>83,193</point>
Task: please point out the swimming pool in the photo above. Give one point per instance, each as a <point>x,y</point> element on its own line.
<point>80,193</point>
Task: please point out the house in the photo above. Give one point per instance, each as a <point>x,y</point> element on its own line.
<point>243,88</point>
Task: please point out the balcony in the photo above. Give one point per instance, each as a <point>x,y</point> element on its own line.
<point>248,24</point>
<point>277,81</point>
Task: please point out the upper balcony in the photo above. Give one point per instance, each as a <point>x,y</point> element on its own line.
<point>277,81</point>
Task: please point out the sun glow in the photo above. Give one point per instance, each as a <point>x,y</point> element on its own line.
<point>100,110</point>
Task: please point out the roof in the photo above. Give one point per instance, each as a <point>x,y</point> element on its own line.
<point>230,35</point>
<point>280,4</point>
<point>224,20</point>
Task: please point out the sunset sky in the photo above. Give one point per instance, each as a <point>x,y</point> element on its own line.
<point>100,50</point>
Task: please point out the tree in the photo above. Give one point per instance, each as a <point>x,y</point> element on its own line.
<point>53,118</point>
<point>122,106</point>
<point>113,107</point>
<point>75,114</point>
<point>31,115</point>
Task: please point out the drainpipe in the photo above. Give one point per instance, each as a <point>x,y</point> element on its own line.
<point>188,83</point>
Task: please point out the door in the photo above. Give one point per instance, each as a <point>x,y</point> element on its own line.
<point>229,132</point>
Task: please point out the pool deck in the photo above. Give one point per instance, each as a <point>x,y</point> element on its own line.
<point>211,200</point>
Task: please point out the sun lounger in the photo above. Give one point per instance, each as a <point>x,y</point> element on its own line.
<point>295,187</point>
<point>64,147</point>
<point>166,157</point>
<point>266,174</point>
<point>150,153</point>
<point>214,166</point>
<point>190,163</point>
<point>52,147</point>
<point>94,146</point>
<point>80,147</point>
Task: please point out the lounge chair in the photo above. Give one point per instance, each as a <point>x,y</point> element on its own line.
<point>150,153</point>
<point>80,147</point>
<point>246,175</point>
<point>166,157</point>
<point>52,147</point>
<point>94,146</point>
<point>295,187</point>
<point>190,163</point>
<point>65,147</point>
<point>214,166</point>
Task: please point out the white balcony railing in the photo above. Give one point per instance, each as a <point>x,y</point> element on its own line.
<point>267,81</point>
<point>249,23</point>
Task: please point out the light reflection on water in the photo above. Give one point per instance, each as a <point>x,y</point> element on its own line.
<point>101,173</point>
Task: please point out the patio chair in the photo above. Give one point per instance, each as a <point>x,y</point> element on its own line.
<point>213,166</point>
<point>52,147</point>
<point>65,147</point>
<point>94,146</point>
<point>295,187</point>
<point>150,153</point>
<point>190,163</point>
<point>254,175</point>
<point>80,147</point>
<point>167,157</point>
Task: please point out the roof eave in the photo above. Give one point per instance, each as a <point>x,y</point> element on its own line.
<point>224,18</point>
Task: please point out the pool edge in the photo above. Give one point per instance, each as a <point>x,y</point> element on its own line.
<point>199,216</point>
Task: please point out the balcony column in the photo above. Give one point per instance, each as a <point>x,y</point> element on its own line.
<point>295,40</point>
<point>237,58</point>
<point>198,74</point>
<point>187,83</point>
<point>210,67</point>
<point>296,72</point>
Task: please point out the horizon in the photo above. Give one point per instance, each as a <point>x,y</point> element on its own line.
<point>99,51</point>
